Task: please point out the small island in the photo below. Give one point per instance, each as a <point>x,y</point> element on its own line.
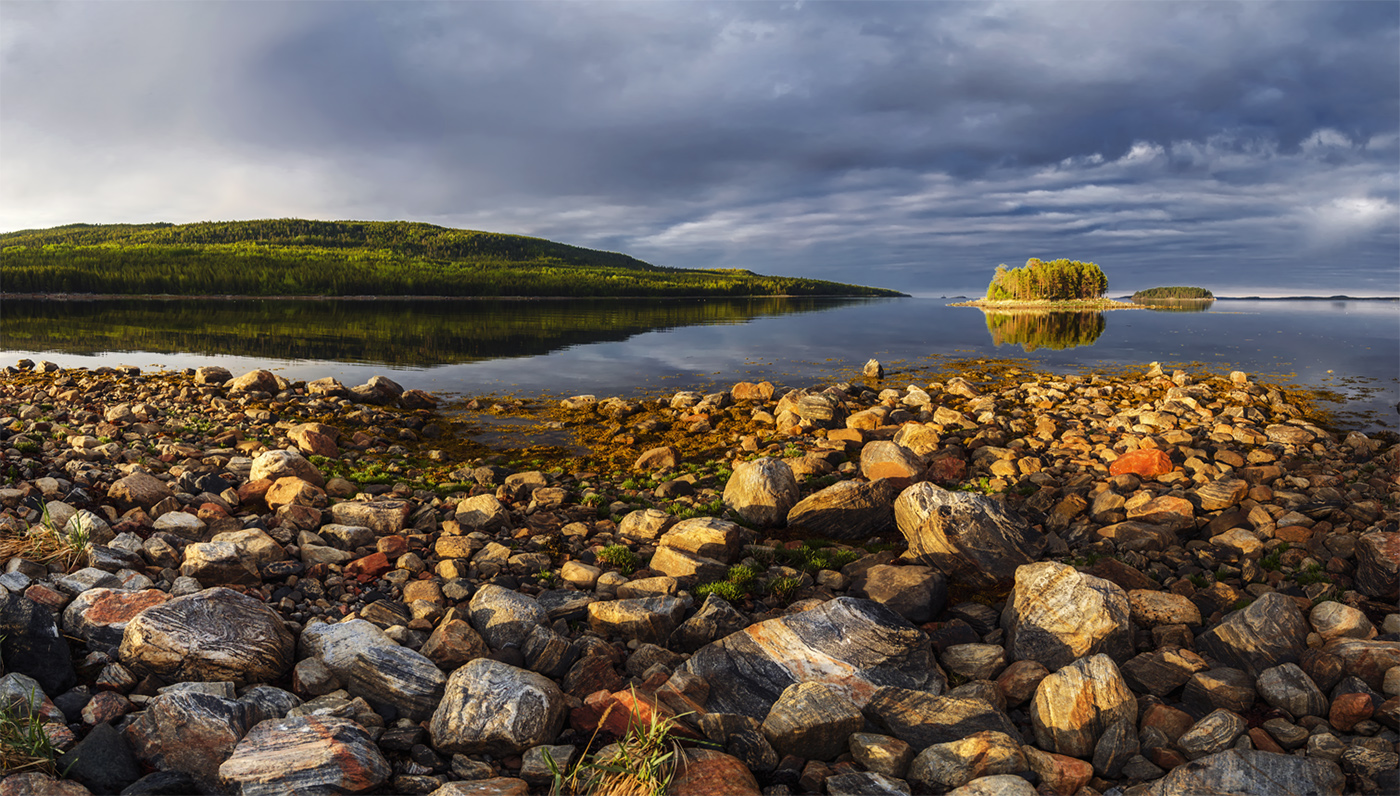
<point>1048,285</point>
<point>287,258</point>
<point>1179,293</point>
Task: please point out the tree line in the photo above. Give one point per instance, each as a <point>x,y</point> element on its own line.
<point>1191,293</point>
<point>1053,280</point>
<point>352,259</point>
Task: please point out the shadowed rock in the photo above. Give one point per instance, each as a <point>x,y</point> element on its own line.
<point>1239,772</point>
<point>975,540</point>
<point>847,510</point>
<point>1074,706</point>
<point>854,645</point>
<point>1057,614</point>
<point>921,719</point>
<point>1269,631</point>
<point>762,491</point>
<point>372,665</point>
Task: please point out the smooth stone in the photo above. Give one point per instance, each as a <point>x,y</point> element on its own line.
<point>1236,772</point>
<point>495,708</point>
<point>973,539</point>
<point>372,665</point>
<point>1056,615</point>
<point>212,635</point>
<point>305,754</point>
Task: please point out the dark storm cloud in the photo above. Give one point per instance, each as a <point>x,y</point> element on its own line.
<point>914,145</point>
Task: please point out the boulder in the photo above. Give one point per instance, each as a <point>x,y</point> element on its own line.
<point>847,510</point>
<point>1378,565</point>
<point>276,464</point>
<point>188,731</point>
<point>856,646</point>
<point>254,381</point>
<point>481,513</point>
<point>811,720</point>
<point>374,666</point>
<point>495,708</point>
<point>921,719</point>
<point>139,489</point>
<point>1056,614</point>
<point>646,619</point>
<point>305,754</point>
<point>212,635</point>
<point>384,517</point>
<point>1269,631</point>
<point>1149,463</point>
<point>884,459</point>
<point>762,491</point>
<point>1075,705</point>
<point>914,592</point>
<point>1248,772</point>
<point>100,616</point>
<point>975,540</point>
<point>943,766</point>
<point>30,644</point>
<point>504,617</point>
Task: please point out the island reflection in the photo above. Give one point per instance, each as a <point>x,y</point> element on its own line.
<point>1032,329</point>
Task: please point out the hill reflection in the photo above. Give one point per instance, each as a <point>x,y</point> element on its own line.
<point>400,332</point>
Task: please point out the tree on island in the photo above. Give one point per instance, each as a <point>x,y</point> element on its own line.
<point>1056,280</point>
<point>1174,293</point>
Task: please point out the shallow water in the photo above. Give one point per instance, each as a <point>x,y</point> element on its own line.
<point>636,347</point>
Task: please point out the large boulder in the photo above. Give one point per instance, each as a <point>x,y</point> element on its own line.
<point>977,541</point>
<point>1269,631</point>
<point>272,465</point>
<point>209,636</point>
<point>847,510</point>
<point>762,491</point>
<point>1075,705</point>
<point>922,719</point>
<point>1378,565</point>
<point>495,708</point>
<point>1056,614</point>
<point>31,645</point>
<point>856,646</point>
<point>373,666</point>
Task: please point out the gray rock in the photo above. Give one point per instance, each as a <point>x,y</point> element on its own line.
<point>1214,733</point>
<point>190,732</point>
<point>1116,747</point>
<point>103,761</point>
<point>212,635</point>
<point>854,645</point>
<point>503,616</point>
<point>373,666</point>
<point>1224,687</point>
<point>1074,706</point>
<point>715,620</point>
<point>865,783</point>
<point>31,644</point>
<point>381,516</point>
<point>1269,631</point>
<point>975,540</point>
<point>1162,670</point>
<point>100,616</point>
<point>1056,615</point>
<point>1237,772</point>
<point>306,755</point>
<point>495,708</point>
<point>1287,687</point>
<point>1378,565</point>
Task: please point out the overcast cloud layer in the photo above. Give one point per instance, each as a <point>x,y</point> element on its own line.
<point>1251,148</point>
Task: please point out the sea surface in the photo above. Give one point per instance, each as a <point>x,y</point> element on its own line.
<point>1348,347</point>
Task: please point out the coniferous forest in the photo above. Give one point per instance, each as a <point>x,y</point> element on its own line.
<point>1048,280</point>
<point>294,257</point>
<point>1174,294</point>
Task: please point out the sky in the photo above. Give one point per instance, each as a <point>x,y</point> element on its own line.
<point>1251,148</point>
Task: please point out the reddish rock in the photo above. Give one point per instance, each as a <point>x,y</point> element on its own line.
<point>1350,709</point>
<point>1061,773</point>
<point>888,460</point>
<point>392,546</point>
<point>664,458</point>
<point>105,706</point>
<point>1173,722</point>
<point>1144,462</point>
<point>947,470</point>
<point>102,614</point>
<point>34,783</point>
<point>306,753</point>
<point>705,772</point>
<point>748,391</point>
<point>368,568</point>
<point>254,491</point>
<point>1019,680</point>
<point>1264,742</point>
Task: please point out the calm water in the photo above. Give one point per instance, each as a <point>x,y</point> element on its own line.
<point>632,347</point>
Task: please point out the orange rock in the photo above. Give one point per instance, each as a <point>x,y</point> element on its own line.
<point>1350,709</point>
<point>292,490</point>
<point>368,568</point>
<point>1142,462</point>
<point>705,772</point>
<point>254,491</point>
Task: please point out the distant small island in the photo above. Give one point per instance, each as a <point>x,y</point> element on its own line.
<point>283,258</point>
<point>1048,285</point>
<point>1174,294</point>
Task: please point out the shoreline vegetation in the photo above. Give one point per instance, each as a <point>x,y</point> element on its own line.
<point>294,257</point>
<point>1044,305</point>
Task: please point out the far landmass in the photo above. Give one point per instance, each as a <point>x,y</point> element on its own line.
<point>1179,293</point>
<point>295,257</point>
<point>1048,285</point>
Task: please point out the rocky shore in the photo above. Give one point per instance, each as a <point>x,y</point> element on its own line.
<point>1152,583</point>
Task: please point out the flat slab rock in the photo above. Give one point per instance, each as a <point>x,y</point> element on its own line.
<point>1252,773</point>
<point>856,646</point>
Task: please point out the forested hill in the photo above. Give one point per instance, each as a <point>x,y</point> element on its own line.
<point>342,258</point>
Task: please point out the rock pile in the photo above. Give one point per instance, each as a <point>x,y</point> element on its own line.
<point>1145,585</point>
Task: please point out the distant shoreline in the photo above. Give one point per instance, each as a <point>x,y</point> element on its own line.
<point>225,297</point>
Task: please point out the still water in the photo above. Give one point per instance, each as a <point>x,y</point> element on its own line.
<point>636,347</point>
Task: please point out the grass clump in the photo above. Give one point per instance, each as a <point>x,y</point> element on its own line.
<point>620,556</point>
<point>736,587</point>
<point>45,543</point>
<point>642,763</point>
<point>24,745</point>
